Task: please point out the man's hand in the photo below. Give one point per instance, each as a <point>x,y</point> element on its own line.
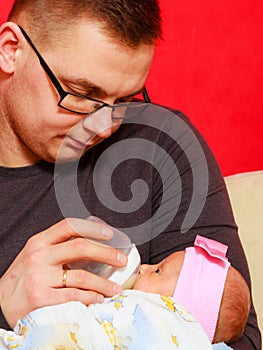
<point>35,278</point>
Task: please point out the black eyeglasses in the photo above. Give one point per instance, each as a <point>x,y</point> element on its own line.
<point>82,104</point>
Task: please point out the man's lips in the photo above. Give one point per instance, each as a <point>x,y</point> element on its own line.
<point>82,145</point>
<point>77,143</point>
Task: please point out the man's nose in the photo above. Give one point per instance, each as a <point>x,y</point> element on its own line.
<point>100,122</point>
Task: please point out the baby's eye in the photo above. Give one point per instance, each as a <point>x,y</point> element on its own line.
<point>157,271</point>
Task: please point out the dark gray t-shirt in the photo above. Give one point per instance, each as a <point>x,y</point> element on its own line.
<point>162,217</point>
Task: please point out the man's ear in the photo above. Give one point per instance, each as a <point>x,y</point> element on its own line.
<point>10,36</point>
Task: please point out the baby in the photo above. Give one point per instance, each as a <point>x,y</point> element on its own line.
<point>149,316</point>
<point>202,280</point>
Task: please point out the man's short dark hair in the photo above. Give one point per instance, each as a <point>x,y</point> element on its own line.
<point>131,22</point>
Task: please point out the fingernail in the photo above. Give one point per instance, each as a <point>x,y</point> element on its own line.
<point>117,289</point>
<point>100,298</point>
<point>106,231</point>
<point>121,258</point>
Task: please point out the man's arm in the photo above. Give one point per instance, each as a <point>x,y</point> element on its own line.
<point>215,221</point>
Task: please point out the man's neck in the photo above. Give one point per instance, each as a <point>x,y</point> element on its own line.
<point>14,157</point>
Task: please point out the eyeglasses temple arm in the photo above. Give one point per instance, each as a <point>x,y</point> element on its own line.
<point>146,96</point>
<point>44,65</point>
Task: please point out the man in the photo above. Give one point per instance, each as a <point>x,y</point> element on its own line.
<point>68,72</point>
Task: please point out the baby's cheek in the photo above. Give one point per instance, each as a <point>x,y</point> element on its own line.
<point>168,287</point>
<point>142,283</point>
<point>137,284</point>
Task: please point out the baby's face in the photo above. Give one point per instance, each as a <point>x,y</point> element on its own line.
<point>160,278</point>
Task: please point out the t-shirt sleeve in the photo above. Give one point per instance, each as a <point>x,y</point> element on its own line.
<point>211,214</point>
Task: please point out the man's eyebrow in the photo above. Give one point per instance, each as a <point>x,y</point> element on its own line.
<point>136,93</point>
<point>98,90</point>
<point>91,86</point>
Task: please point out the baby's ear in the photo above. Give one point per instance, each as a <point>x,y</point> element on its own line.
<point>10,36</point>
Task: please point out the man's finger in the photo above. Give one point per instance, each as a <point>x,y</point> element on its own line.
<point>72,227</point>
<point>83,249</point>
<point>84,280</point>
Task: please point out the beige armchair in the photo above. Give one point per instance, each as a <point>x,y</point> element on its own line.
<point>246,195</point>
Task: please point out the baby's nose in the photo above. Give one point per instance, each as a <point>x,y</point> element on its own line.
<point>143,269</point>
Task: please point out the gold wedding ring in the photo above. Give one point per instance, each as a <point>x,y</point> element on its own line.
<point>64,279</point>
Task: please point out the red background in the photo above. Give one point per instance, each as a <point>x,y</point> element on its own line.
<point>210,65</point>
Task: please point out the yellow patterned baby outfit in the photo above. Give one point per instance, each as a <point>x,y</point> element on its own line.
<point>133,320</point>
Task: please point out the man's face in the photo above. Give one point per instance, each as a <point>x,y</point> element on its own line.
<point>88,63</point>
<point>160,278</point>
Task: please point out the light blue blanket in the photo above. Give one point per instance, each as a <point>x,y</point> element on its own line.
<point>221,346</point>
<point>131,321</point>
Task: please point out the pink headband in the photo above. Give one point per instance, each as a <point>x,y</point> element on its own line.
<point>201,281</point>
